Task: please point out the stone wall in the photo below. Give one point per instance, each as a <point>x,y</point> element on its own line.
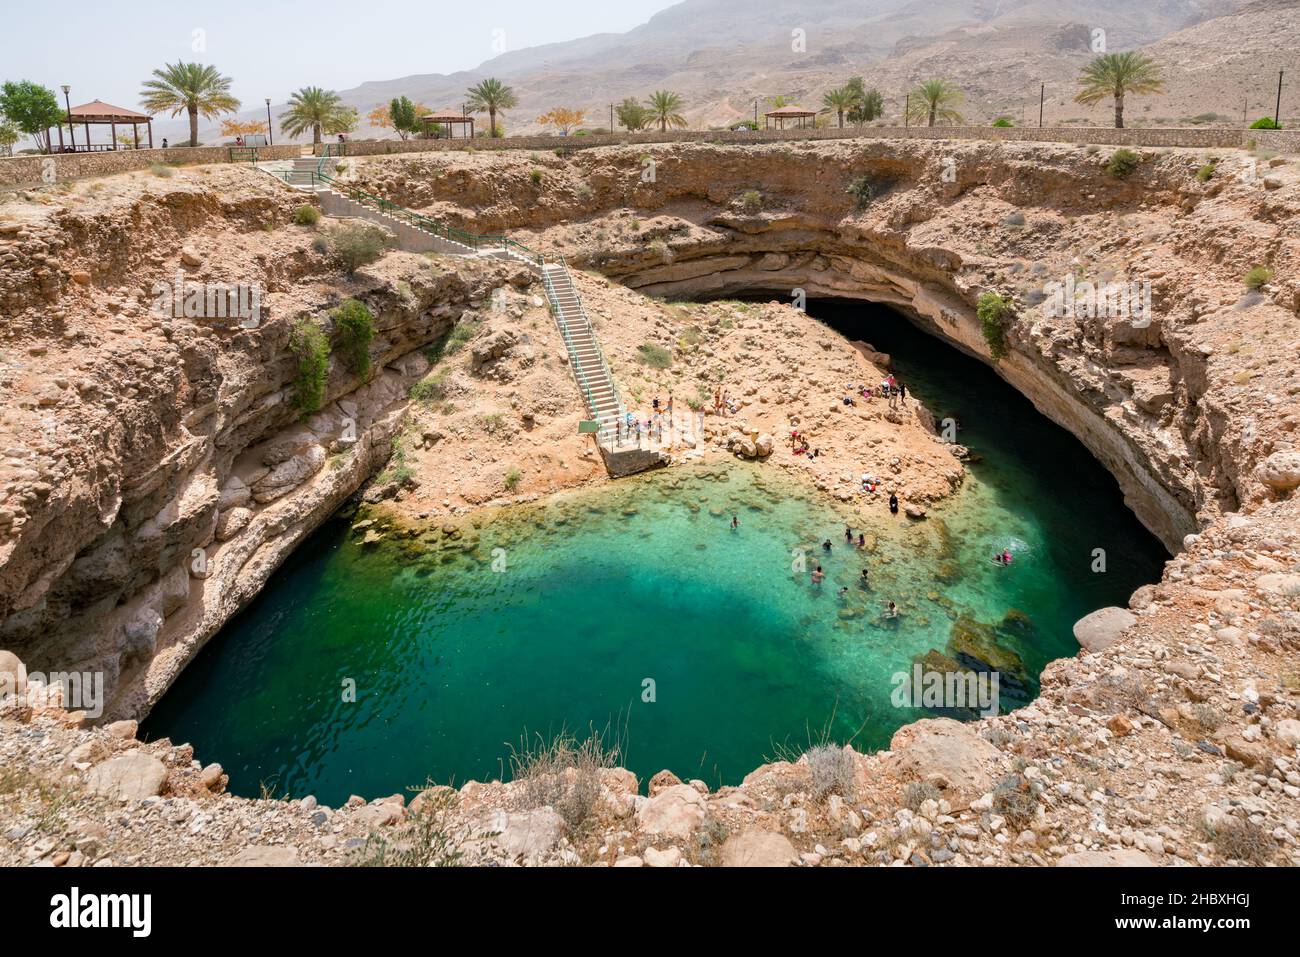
<point>30,170</point>
<point>1196,138</point>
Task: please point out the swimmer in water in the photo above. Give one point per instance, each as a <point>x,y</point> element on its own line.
<point>1006,556</point>
<point>848,534</point>
<point>891,611</point>
<point>818,575</point>
<point>842,592</point>
<point>735,523</point>
<point>826,545</point>
<point>863,580</point>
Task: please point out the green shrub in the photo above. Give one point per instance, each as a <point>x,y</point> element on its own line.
<point>354,327</point>
<point>306,215</point>
<point>1265,123</point>
<point>312,348</point>
<point>752,201</point>
<point>863,191</point>
<point>1003,122</point>
<point>1122,162</point>
<point>320,244</point>
<point>512,479</point>
<point>1258,276</point>
<point>536,177</point>
<point>994,314</point>
<point>357,245</point>
<point>1205,173</point>
<point>655,356</point>
<point>430,389</point>
<point>465,331</point>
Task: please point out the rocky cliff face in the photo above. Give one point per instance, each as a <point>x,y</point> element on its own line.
<point>156,467</point>
<point>1184,405</point>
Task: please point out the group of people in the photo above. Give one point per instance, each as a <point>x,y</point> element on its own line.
<point>723,403</point>
<point>800,446</point>
<point>889,388</point>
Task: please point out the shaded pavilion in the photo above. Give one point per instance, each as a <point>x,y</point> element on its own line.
<point>99,113</point>
<point>783,113</point>
<point>448,119</point>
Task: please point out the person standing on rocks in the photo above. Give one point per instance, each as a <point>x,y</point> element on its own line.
<point>893,503</point>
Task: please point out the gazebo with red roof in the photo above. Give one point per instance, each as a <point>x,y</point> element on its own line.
<point>100,113</point>
<point>447,118</point>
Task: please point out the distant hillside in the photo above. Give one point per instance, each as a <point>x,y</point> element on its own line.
<point>721,55</point>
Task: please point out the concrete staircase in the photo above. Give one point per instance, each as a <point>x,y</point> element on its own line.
<point>416,233</point>
<point>585,357</point>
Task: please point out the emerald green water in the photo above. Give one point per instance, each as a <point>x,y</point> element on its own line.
<point>454,659</point>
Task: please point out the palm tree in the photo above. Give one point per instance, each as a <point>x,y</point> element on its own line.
<point>315,109</point>
<point>491,96</point>
<point>663,109</point>
<point>838,100</point>
<point>1115,74</point>
<point>192,87</point>
<point>934,100</point>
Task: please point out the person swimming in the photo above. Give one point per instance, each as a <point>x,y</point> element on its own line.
<point>818,575</point>
<point>862,542</point>
<point>848,534</point>
<point>735,523</point>
<point>863,580</point>
<point>891,610</point>
<point>826,545</point>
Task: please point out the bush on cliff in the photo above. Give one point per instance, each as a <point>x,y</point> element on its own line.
<point>1122,163</point>
<point>312,349</point>
<point>354,327</point>
<point>357,245</point>
<point>994,314</point>
<point>1265,123</point>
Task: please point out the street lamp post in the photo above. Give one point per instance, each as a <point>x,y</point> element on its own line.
<point>71,130</point>
<point>270,137</point>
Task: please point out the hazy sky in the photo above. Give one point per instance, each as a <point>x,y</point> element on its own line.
<point>105,48</point>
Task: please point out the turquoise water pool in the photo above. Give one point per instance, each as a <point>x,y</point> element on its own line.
<point>638,607</point>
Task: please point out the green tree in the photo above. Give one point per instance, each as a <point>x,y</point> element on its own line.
<point>319,110</point>
<point>839,101</point>
<point>491,96</point>
<point>1116,75</point>
<point>935,101</point>
<point>32,109</point>
<point>867,104</point>
<point>354,327</point>
<point>663,107</point>
<point>404,116</point>
<point>193,88</point>
<point>632,114</point>
<point>8,137</point>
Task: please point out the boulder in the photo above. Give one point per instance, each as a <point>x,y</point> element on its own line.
<point>528,834</point>
<point>946,753</point>
<point>1101,629</point>
<point>263,856</point>
<point>231,522</point>
<point>132,777</point>
<point>289,474</point>
<point>754,848</point>
<point>1280,471</point>
<point>1123,857</point>
<point>674,812</point>
<point>13,676</point>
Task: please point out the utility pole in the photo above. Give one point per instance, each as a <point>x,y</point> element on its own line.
<point>907,110</point>
<point>755,113</point>
<point>1042,95</point>
<point>1277,116</point>
<point>611,117</point>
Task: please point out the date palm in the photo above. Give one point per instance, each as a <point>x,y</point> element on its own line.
<point>315,109</point>
<point>839,100</point>
<point>491,96</point>
<point>663,107</point>
<point>1118,74</point>
<point>194,88</point>
<point>935,101</point>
